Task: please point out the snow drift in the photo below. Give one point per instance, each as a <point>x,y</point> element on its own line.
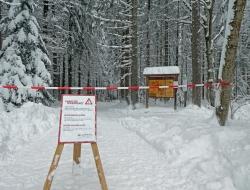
<point>22,125</point>
<point>206,156</point>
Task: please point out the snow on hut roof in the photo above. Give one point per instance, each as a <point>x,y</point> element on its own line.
<point>166,70</point>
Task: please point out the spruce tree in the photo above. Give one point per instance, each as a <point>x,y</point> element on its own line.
<point>23,58</point>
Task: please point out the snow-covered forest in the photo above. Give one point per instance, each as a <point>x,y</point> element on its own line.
<point>49,46</point>
<point>95,43</point>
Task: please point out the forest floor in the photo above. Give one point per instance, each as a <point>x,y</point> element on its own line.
<point>143,149</point>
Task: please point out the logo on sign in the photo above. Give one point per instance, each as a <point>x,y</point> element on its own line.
<point>88,102</point>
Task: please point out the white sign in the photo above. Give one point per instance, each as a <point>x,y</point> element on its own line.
<point>78,119</point>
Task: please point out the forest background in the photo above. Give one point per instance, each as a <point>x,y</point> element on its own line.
<point>110,42</point>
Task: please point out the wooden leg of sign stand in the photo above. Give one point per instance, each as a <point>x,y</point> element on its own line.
<point>99,166</point>
<point>53,167</point>
<point>77,153</point>
<point>76,157</point>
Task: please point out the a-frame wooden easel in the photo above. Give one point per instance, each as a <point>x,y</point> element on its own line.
<point>76,156</point>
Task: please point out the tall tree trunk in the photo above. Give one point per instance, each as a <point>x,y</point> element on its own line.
<point>196,66</point>
<point>79,81</point>
<point>148,34</point>
<point>209,49</point>
<point>126,60</point>
<point>166,40</point>
<point>124,82</point>
<point>45,15</point>
<point>1,38</point>
<point>88,82</point>
<point>63,73</point>
<point>56,58</point>
<point>177,36</point>
<point>134,64</point>
<point>45,8</point>
<point>70,51</point>
<point>161,40</point>
<point>56,74</point>
<point>227,65</point>
<point>70,70</point>
<point>157,47</point>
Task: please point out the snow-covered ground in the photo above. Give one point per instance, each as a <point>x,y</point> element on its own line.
<point>143,149</point>
<point>22,125</point>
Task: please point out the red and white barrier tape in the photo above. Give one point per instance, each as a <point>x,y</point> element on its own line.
<point>222,84</point>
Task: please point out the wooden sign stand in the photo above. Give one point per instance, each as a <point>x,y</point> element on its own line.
<point>76,158</point>
<point>77,108</point>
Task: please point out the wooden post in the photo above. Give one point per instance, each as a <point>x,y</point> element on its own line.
<point>99,166</point>
<point>53,166</point>
<point>175,100</point>
<point>77,153</point>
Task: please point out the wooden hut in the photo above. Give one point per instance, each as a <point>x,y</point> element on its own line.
<point>161,76</point>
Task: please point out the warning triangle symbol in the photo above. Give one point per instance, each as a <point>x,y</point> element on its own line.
<point>88,102</point>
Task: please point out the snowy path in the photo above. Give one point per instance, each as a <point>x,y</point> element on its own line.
<point>129,162</point>
<point>155,149</point>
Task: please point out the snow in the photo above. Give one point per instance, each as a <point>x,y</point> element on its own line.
<point>143,149</point>
<point>21,125</point>
<point>165,70</point>
<point>243,112</point>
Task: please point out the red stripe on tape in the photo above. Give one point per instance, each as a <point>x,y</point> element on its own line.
<point>173,86</point>
<point>10,86</point>
<point>111,88</point>
<point>89,88</point>
<point>133,87</point>
<point>191,85</point>
<point>38,87</point>
<point>224,83</point>
<point>64,88</point>
<point>208,85</point>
